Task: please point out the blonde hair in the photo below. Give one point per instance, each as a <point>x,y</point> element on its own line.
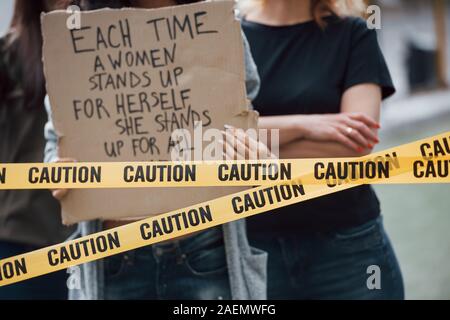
<point>351,7</point>
<point>319,8</point>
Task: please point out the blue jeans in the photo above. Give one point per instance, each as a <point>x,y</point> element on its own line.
<point>48,287</point>
<point>336,265</point>
<point>191,268</point>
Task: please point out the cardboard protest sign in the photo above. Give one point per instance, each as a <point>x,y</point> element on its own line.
<point>123,82</point>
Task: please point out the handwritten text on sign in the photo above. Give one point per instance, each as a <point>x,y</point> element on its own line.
<point>122,83</point>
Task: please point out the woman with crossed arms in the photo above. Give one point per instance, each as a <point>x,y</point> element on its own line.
<point>323,78</point>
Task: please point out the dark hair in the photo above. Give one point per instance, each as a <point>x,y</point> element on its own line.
<point>98,4</point>
<point>25,49</point>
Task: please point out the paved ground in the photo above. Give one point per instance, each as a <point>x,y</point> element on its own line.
<point>417,218</point>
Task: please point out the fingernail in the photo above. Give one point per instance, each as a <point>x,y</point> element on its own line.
<point>370,146</point>
<point>378,126</point>
<point>359,149</point>
<point>227,126</point>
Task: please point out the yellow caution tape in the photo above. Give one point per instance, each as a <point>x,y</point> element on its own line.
<point>424,161</point>
<point>369,169</point>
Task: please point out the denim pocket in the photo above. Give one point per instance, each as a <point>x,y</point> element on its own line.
<point>115,265</point>
<point>366,236</point>
<point>207,261</point>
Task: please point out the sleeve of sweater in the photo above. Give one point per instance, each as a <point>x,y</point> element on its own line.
<point>251,73</point>
<point>51,145</point>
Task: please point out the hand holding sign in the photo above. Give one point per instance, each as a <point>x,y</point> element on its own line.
<point>61,193</point>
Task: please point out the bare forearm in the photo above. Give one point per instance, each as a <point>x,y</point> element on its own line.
<point>316,149</point>
<point>352,132</point>
<point>290,127</point>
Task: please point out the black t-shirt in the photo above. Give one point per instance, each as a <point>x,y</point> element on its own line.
<point>305,70</point>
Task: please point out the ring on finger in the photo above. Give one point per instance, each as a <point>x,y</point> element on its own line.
<point>349,130</point>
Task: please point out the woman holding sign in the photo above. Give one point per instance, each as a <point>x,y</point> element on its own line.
<point>214,264</point>
<point>323,78</point>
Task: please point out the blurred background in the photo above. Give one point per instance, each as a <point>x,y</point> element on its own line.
<point>415,38</point>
